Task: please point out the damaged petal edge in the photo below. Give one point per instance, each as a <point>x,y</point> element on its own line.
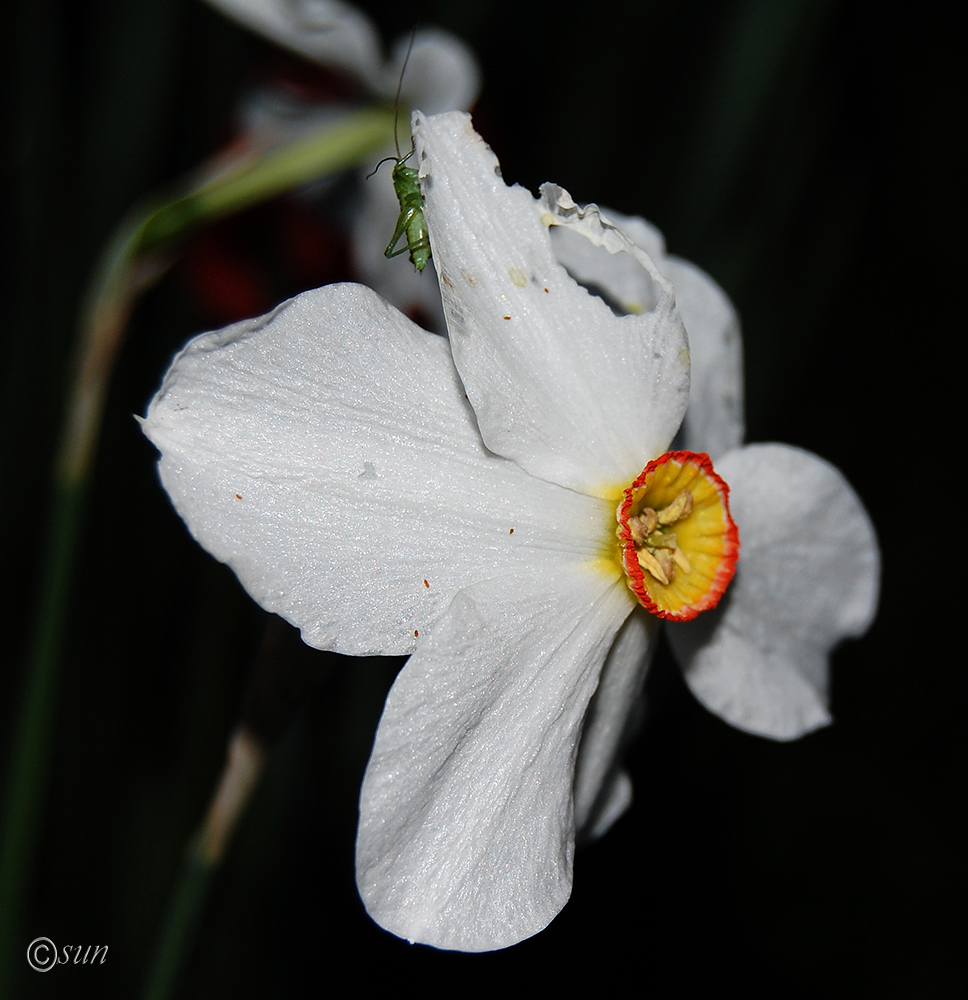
<point>557,208</point>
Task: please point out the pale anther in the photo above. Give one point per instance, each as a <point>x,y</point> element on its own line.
<point>642,525</point>
<point>677,510</point>
<point>651,564</point>
<point>656,549</point>
<point>681,561</point>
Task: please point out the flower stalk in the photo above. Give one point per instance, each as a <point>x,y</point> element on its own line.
<point>141,250</point>
<point>244,764</point>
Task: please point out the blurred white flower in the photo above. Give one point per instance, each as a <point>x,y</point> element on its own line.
<point>441,75</point>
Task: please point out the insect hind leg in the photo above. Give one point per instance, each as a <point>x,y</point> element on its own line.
<point>403,223</point>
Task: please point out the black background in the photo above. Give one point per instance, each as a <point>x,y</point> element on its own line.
<point>804,153</point>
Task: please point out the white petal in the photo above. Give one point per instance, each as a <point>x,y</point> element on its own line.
<point>714,421</point>
<point>617,277</point>
<point>602,791</point>
<point>327,453</point>
<point>807,577</point>
<point>441,74</point>
<point>615,798</point>
<point>467,830</point>
<point>559,383</point>
<point>333,34</point>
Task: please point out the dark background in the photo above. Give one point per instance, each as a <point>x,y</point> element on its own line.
<point>804,153</point>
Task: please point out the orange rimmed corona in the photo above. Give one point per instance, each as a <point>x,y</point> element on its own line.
<point>679,544</point>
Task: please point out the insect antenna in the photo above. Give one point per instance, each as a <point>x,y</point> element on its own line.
<point>396,99</point>
<point>385,159</point>
<point>396,105</point>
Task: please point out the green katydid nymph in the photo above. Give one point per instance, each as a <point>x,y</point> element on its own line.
<point>406,183</point>
<point>410,222</point>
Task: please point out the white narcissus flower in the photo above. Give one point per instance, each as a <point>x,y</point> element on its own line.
<point>392,491</point>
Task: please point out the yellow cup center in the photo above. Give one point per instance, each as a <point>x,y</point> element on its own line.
<point>679,544</point>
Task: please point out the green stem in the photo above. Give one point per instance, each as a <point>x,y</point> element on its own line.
<point>135,258</point>
<point>243,767</point>
<point>30,760</point>
<point>256,175</point>
<point>181,923</point>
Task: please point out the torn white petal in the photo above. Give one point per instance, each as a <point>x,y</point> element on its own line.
<point>559,383</point>
<point>714,420</point>
<point>807,577</point>
<point>617,277</point>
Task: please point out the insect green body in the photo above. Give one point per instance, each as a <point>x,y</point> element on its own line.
<point>410,222</point>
